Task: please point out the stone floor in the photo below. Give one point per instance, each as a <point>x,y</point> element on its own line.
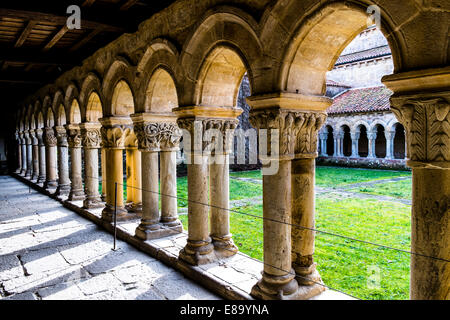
<point>50,252</point>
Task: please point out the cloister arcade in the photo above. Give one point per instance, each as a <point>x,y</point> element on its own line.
<point>361,139</point>
<point>139,94</point>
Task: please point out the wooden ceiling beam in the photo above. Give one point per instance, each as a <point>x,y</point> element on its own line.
<point>128,4</point>
<point>86,39</point>
<point>25,33</point>
<point>38,17</point>
<point>56,38</point>
<point>88,3</point>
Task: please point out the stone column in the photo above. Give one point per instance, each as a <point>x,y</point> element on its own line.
<point>288,194</point>
<point>29,151</point>
<point>133,174</point>
<point>389,144</point>
<point>220,186</point>
<point>19,153</point>
<point>74,141</point>
<point>23,147</point>
<point>50,158</point>
<point>63,188</point>
<point>371,136</point>
<point>35,144</point>
<point>355,144</point>
<point>42,166</point>
<point>323,144</point>
<point>337,148</point>
<point>153,131</point>
<point>114,132</point>
<point>421,102</point>
<point>104,183</point>
<point>91,141</point>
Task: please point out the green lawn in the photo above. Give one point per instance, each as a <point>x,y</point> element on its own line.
<point>399,189</point>
<point>363,270</point>
<point>329,176</point>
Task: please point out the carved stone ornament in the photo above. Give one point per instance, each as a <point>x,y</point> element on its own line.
<point>427,127</point>
<point>91,138</point>
<point>154,136</point>
<point>298,130</point>
<point>49,137</point>
<point>114,137</point>
<point>74,138</point>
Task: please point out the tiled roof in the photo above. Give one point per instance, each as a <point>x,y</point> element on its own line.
<point>336,84</point>
<point>364,55</point>
<point>362,100</point>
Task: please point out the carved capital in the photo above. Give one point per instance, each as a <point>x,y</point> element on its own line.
<point>113,137</point>
<point>74,138</point>
<point>297,130</point>
<point>91,138</point>
<point>49,137</point>
<point>155,136</point>
<point>40,137</point>
<point>61,136</point>
<point>427,125</point>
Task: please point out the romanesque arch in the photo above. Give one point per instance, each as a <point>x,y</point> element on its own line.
<point>90,95</point>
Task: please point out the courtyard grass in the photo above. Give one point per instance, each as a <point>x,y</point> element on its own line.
<point>334,176</point>
<point>399,189</point>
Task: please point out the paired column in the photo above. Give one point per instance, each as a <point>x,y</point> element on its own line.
<point>63,188</point>
<point>50,158</point>
<point>19,154</point>
<point>23,147</point>
<point>29,152</point>
<point>288,194</point>
<point>134,177</point>
<point>203,247</point>
<point>35,144</point>
<point>103,161</point>
<point>91,141</point>
<point>355,144</point>
<point>158,134</point>
<point>389,144</point>
<point>425,114</point>
<point>323,144</point>
<point>114,132</point>
<point>74,141</point>
<point>41,147</point>
<point>371,136</point>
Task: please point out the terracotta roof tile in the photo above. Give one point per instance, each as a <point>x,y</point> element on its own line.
<point>362,100</point>
<point>364,55</point>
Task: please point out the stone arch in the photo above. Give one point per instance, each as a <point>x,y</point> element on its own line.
<point>380,141</point>
<point>40,120</point>
<point>361,129</point>
<point>91,84</point>
<point>399,141</point>
<point>316,36</point>
<point>330,140</point>
<point>160,59</point>
<point>122,101</point>
<point>72,93</point>
<point>376,123</point>
<point>61,115</point>
<point>74,112</point>
<point>356,127</point>
<point>59,108</point>
<point>161,93</point>
<point>118,89</point>
<point>225,28</point>
<point>49,118</point>
<point>94,110</point>
<point>345,131</point>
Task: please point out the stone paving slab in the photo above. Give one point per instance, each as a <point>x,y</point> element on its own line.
<point>48,252</point>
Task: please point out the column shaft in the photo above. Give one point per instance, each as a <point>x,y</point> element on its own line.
<point>42,163</point>
<point>104,183</point>
<point>114,174</point>
<point>92,199</point>
<point>35,175</point>
<point>169,215</point>
<point>76,189</point>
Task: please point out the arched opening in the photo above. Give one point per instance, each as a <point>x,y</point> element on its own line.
<point>40,122</point>
<point>380,142</point>
<point>363,142</point>
<point>330,142</point>
<point>399,142</point>
<point>61,115</point>
<point>161,93</point>
<point>75,114</point>
<point>221,77</point>
<point>50,121</point>
<point>94,108</point>
<point>122,100</point>
<point>346,141</point>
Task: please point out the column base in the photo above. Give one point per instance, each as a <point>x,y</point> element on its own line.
<point>198,252</point>
<point>224,246</point>
<point>41,179</point>
<point>34,177</point>
<point>63,190</point>
<point>52,184</point>
<point>122,214</point>
<point>93,203</point>
<point>76,195</point>
<point>172,223</point>
<point>134,208</point>
<point>272,287</point>
<point>147,231</point>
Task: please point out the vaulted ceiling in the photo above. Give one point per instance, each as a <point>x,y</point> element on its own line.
<point>36,46</point>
